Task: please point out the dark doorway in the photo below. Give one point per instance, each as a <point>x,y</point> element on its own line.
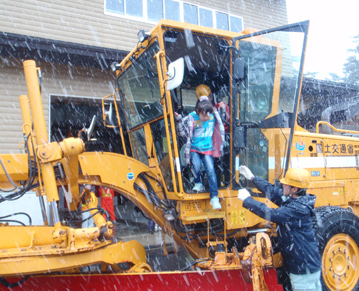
<point>69,115</point>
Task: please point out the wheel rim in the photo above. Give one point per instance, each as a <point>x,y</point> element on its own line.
<point>340,258</point>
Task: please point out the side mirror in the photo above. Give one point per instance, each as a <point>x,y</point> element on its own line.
<point>238,69</point>
<point>175,74</point>
<point>91,128</point>
<point>109,114</point>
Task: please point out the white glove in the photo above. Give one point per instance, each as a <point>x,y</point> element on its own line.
<point>243,194</point>
<point>246,172</point>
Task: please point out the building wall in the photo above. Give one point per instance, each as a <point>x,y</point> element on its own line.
<point>85,22</point>
<point>56,80</point>
<point>12,84</point>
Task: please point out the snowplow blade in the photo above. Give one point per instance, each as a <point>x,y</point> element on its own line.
<point>194,280</point>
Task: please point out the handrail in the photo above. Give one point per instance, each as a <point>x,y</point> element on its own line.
<point>118,120</point>
<point>333,128</point>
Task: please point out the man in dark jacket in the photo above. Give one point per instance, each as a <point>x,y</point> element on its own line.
<point>297,241</point>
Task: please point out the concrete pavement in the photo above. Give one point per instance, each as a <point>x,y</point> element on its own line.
<point>132,225</point>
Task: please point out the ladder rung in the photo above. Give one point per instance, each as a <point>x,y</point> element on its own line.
<point>214,243</point>
<point>207,216</point>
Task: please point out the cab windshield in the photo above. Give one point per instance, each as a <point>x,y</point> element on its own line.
<point>139,89</point>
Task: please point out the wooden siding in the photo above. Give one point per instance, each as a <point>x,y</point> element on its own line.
<point>56,80</point>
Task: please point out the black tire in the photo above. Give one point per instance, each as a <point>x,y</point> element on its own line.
<point>337,232</point>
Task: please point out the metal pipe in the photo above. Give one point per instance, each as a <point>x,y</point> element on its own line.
<point>257,230</point>
<point>43,208</point>
<point>55,212</point>
<point>33,88</point>
<point>27,130</point>
<point>26,118</point>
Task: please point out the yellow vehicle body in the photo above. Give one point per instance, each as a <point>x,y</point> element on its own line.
<point>149,171</point>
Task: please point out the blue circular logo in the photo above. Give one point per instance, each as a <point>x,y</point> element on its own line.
<point>300,145</point>
<point>130,176</point>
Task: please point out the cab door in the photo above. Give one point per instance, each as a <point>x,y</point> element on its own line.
<point>267,74</point>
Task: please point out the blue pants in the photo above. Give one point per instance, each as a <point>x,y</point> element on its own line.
<point>197,159</point>
<point>151,225</point>
<point>306,282</point>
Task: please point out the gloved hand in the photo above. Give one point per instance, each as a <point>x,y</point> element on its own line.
<point>246,172</point>
<point>243,194</point>
<point>178,116</point>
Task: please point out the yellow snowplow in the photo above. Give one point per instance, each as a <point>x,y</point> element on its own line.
<point>258,74</point>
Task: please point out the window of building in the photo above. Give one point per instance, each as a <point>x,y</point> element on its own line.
<point>115,6</point>
<point>154,10</point>
<point>236,23</point>
<point>205,17</point>
<point>134,8</point>
<point>222,21</point>
<point>190,13</point>
<point>172,10</point>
